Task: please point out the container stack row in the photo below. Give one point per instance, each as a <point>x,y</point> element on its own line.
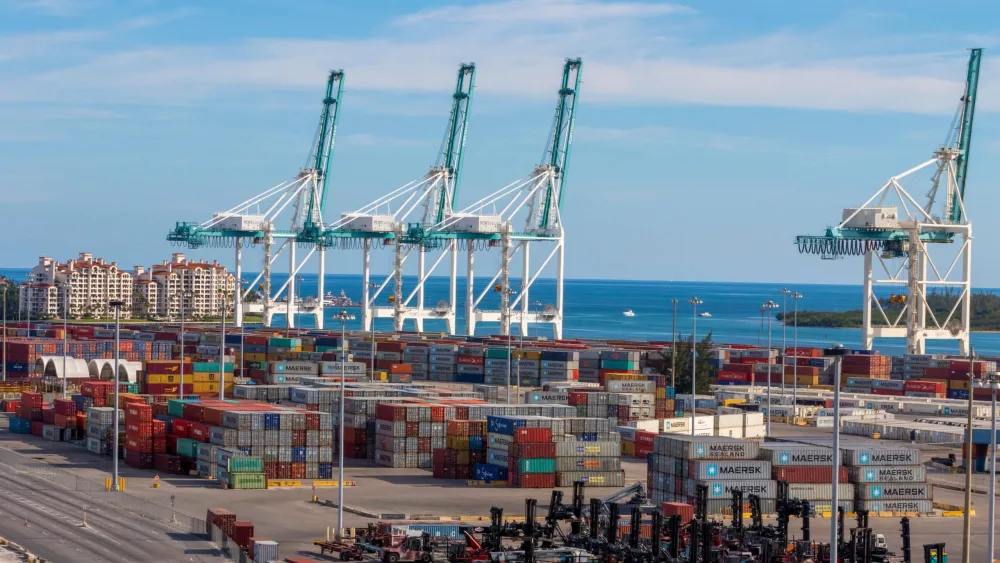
<point>809,473</point>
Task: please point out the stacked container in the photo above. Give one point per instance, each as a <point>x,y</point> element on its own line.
<point>528,366</point>
<point>558,366</point>
<point>408,434</point>
<point>495,366</point>
<point>470,363</point>
<point>597,463</point>
<point>237,470</point>
<point>888,479</point>
<point>442,360</point>
<point>465,447</point>
<point>139,436</point>
<point>679,463</point>
<point>809,473</point>
<point>100,428</point>
<point>618,361</point>
<point>531,458</point>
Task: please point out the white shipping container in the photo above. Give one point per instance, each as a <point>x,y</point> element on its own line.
<point>704,423</point>
<point>820,491</point>
<point>895,491</point>
<point>675,424</point>
<point>888,474</point>
<point>753,419</point>
<point>627,433</point>
<point>297,368</point>
<point>729,421</point>
<point>730,432</point>
<point>755,431</point>
<point>650,425</point>
<point>704,432</point>
<point>622,386</point>
<point>880,456</point>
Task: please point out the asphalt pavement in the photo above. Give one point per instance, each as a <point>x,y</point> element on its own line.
<point>47,519</point>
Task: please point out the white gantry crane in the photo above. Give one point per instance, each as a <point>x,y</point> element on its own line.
<point>895,231</point>
<point>404,219</point>
<point>518,217</point>
<point>299,201</point>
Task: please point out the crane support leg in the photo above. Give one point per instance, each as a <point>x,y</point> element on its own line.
<point>525,288</point>
<point>397,320</point>
<point>557,326</point>
<point>367,314</point>
<point>238,294</point>
<point>505,284</point>
<point>470,296</point>
<point>866,311</point>
<point>290,314</point>
<point>453,289</point>
<point>421,268</point>
<point>318,312</point>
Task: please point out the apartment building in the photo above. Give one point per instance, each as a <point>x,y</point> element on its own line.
<point>202,288</point>
<point>88,283</point>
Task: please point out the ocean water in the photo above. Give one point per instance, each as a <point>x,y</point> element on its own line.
<point>594,310</point>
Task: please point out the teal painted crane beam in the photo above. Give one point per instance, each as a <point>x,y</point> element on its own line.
<point>965,132</point>
<point>562,132</point>
<point>322,157</point>
<point>453,148</point>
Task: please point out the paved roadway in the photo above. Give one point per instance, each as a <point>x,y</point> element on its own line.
<point>47,519</point>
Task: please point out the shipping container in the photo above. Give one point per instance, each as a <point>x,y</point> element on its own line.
<point>808,474</point>
<point>591,479</point>
<point>881,456</point>
<point>920,506</point>
<point>888,474</point>
<point>820,491</point>
<point>786,453</point>
<point>894,491</point>
<point>744,469</point>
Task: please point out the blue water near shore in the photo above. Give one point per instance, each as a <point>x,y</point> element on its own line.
<point>594,310</point>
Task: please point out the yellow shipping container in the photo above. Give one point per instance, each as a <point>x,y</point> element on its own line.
<point>532,355</point>
<point>255,357</point>
<point>808,380</point>
<point>206,387</point>
<point>628,448</point>
<point>822,387</point>
<point>457,442</point>
<point>163,379</point>
<point>624,376</point>
<point>959,384</point>
<point>202,377</point>
<point>381,376</point>
<point>731,402</point>
<point>308,348</point>
<point>945,381</point>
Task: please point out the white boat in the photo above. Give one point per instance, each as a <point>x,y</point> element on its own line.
<point>628,313</point>
<point>705,314</point>
<point>342,300</point>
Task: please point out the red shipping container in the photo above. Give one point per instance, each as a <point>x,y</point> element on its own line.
<point>805,352</point>
<point>644,441</point>
<point>199,431</point>
<point>739,368</point>
<point>167,367</point>
<point>139,428</point>
<point>139,412</point>
<point>532,450</point>
<point>925,386</point>
<point>159,429</point>
<point>169,389</point>
<point>807,474</point>
<point>536,480</point>
<point>471,360</point>
<point>685,511</point>
<point>213,416</point>
<point>298,471</point>
<point>221,518</point>
<point>939,373</point>
<point>65,407</point>
<point>532,435</point>
<point>888,392</point>
<point>401,369</point>
<point>390,412</point>
<point>48,416</point>
<point>577,398</point>
<point>738,377</point>
<point>181,427</point>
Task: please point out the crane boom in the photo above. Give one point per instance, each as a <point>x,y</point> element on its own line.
<point>323,151</point>
<point>557,154</point>
<point>454,144</point>
<point>965,132</point>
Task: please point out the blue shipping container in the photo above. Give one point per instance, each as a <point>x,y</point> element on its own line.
<point>958,394</point>
<point>503,424</point>
<point>487,472</point>
<point>475,443</point>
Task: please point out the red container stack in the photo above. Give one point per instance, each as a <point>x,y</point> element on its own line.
<point>530,444</point>
<point>466,446</point>
<point>242,532</point>
<point>221,518</point>
<point>808,474</point>
<point>139,436</point>
<point>685,511</point>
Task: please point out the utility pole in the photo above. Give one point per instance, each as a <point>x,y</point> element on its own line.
<point>673,348</point>
<point>967,518</point>
<point>117,304</point>
<point>785,293</point>
<point>694,301</point>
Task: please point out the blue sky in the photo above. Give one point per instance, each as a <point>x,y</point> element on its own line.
<point>708,135</point>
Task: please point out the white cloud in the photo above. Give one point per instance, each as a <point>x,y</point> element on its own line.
<point>626,61</point>
<point>60,8</point>
<point>542,12</point>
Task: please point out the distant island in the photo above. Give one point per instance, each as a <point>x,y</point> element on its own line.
<point>985,312</point>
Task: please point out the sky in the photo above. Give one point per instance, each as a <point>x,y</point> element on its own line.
<point>708,134</point>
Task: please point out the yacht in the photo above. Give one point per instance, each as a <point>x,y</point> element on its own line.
<point>342,300</point>
<point>705,314</point>
<point>628,313</point>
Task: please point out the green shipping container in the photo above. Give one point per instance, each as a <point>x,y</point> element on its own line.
<point>211,367</point>
<point>278,342</point>
<point>175,407</point>
<point>247,481</point>
<point>497,353</point>
<point>187,447</point>
<point>537,465</point>
<point>247,464</point>
<point>619,364</point>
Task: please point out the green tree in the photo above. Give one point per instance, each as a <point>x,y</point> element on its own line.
<point>702,367</point>
<point>12,302</point>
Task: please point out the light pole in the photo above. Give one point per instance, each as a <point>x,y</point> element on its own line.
<point>991,380</point>
<point>65,393</point>
<point>5,283</point>
<point>371,309</point>
<point>343,317</point>
<point>795,344</point>
<point>242,318</point>
<point>967,519</point>
<point>785,293</point>
<point>768,307</point>
<point>694,301</point>
<point>180,389</point>
<point>673,348</point>
<point>222,351</point>
<point>834,539</point>
<point>117,304</point>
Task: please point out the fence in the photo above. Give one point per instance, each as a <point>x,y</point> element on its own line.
<point>98,493</point>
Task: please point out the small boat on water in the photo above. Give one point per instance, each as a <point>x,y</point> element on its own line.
<point>331,300</point>
<point>705,314</point>
<point>628,313</point>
